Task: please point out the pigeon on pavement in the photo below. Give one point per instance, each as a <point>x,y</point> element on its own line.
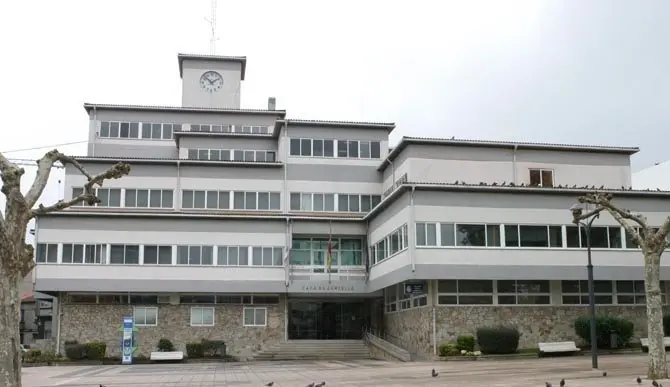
<point>562,383</point>
<point>433,373</point>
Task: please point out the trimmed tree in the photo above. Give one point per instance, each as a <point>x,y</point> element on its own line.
<point>17,257</point>
<point>652,241</point>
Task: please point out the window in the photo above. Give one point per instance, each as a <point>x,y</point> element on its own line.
<point>601,237</point>
<point>542,177</point>
<point>426,234</point>
<point>74,298</point>
<point>157,255</point>
<point>312,148</point>
<point>314,252</point>
<point>477,235</point>
<point>145,198</point>
<point>83,253</point>
<point>145,316</point>
<point>211,128</point>
<point>114,129</point>
<point>195,255</point>
<point>255,317</point>
<point>256,200</point>
<point>633,292</point>
<point>232,155</point>
<point>533,236</point>
<point>356,203</point>
<point>316,202</point>
<point>158,131</point>
<point>46,253</point>
<point>255,129</point>
<point>577,292</point>
<point>143,299</point>
<point>266,300</point>
<point>109,197</point>
<point>113,299</point>
<point>391,244</point>
<point>391,298</point>
<point>202,316</point>
<point>529,292</point>
<point>266,256</point>
<point>447,234</point>
<point>465,292</point>
<point>233,255</point>
<point>124,255</point>
<point>197,299</point>
<point>192,199</point>
<point>397,299</point>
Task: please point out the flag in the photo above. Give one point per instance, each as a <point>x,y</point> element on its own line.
<point>329,255</point>
<point>367,262</point>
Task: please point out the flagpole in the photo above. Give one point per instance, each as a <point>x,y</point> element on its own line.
<point>329,256</point>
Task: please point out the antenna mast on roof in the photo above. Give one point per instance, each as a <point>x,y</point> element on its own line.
<point>212,23</point>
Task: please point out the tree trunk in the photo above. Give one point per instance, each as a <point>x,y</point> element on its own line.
<point>657,364</point>
<point>10,354</point>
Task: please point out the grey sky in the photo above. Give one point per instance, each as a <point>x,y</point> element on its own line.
<point>592,72</point>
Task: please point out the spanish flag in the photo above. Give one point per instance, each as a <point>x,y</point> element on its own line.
<point>329,255</point>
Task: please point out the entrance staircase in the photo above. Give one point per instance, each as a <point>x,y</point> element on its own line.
<point>316,350</point>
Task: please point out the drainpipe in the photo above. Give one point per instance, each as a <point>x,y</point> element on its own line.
<point>95,135</point>
<point>410,228</point>
<point>177,200</point>
<point>286,154</point>
<point>434,334</point>
<point>59,313</point>
<point>287,238</point>
<point>514,164</point>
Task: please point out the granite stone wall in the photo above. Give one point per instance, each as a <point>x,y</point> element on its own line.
<point>413,328</point>
<point>86,323</point>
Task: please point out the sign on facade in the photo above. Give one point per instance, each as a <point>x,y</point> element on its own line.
<point>415,288</point>
<point>127,344</point>
<point>317,287</point>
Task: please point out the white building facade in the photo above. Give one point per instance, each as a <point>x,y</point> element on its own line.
<point>247,226</point>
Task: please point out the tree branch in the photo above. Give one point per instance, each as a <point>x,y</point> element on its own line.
<point>662,233</point>
<point>604,202</point>
<point>117,171</point>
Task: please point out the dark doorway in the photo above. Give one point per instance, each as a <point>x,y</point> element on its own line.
<point>319,320</point>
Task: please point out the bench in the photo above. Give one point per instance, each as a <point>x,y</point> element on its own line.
<point>167,356</point>
<point>644,343</point>
<point>557,347</point>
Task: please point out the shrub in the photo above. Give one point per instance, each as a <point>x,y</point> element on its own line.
<point>213,347</point>
<point>165,345</point>
<point>448,349</point>
<point>605,326</point>
<point>466,343</point>
<point>95,350</point>
<point>32,356</point>
<point>74,350</point>
<point>498,340</point>
<point>194,350</point>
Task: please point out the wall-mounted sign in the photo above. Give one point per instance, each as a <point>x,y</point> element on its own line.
<point>415,288</point>
<point>325,287</point>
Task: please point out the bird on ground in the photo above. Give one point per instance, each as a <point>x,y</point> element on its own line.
<point>638,380</point>
<point>547,384</point>
<point>654,383</point>
<point>562,383</point>
<point>311,384</point>
<point>605,373</point>
<point>269,384</point>
<point>433,373</point>
<point>320,384</point>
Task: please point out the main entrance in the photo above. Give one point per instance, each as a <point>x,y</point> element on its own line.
<point>327,320</point>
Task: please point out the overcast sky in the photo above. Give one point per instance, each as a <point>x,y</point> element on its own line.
<point>592,72</point>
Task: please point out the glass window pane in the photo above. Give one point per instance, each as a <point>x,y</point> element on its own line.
<point>250,200</point>
<point>328,148</point>
<point>263,201</point>
<point>318,147</point>
<point>115,197</point>
<point>329,200</point>
<point>353,148</point>
<point>167,198</point>
<point>365,203</point>
<point>305,147</point>
<point>156,131</point>
<point>492,235</point>
<point>243,255</point>
<point>257,257</point>
<point>447,234</point>
<point>182,255</point>
<point>212,199</point>
<point>365,149</point>
<point>199,199</point>
<point>470,235</point>
<point>615,241</point>
<point>534,236</point>
<point>306,202</point>
<point>165,255</point>
<point>206,255</point>
<point>194,255</point>
<point>375,151</point>
<point>224,200</point>
<point>238,200</point>
<point>555,236</point>
<point>342,149</point>
<point>275,201</point>
<point>295,201</point>
<point>295,147</point>
<point>155,198</point>
<point>104,129</point>
<point>131,198</point>
<point>431,234</point>
<point>187,199</point>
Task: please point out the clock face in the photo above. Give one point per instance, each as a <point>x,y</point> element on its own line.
<point>211,81</point>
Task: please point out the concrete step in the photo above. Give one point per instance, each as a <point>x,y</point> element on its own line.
<point>316,350</point>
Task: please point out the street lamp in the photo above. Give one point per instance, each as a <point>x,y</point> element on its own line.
<point>586,220</point>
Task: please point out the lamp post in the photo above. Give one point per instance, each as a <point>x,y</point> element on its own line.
<point>586,221</point>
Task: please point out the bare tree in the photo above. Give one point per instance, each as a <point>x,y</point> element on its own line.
<point>16,257</point>
<point>652,241</point>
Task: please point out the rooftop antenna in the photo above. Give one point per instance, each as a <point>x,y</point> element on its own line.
<point>212,23</point>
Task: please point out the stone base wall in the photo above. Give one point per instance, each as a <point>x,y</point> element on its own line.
<point>413,327</point>
<point>86,323</point>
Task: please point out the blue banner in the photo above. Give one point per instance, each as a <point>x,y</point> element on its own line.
<point>127,344</point>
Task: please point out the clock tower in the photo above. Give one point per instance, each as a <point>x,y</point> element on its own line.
<point>211,81</point>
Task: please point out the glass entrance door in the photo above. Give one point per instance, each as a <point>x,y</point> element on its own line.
<point>321,320</point>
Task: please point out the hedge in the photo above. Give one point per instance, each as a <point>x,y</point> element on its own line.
<point>605,326</point>
<point>466,343</point>
<point>498,340</point>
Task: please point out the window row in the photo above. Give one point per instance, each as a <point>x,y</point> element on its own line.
<point>247,129</point>
<point>129,254</point>
<point>322,202</point>
<point>538,292</point>
<point>496,235</point>
<point>227,200</point>
<point>132,198</point>
<point>139,130</point>
<point>264,156</point>
<point>400,297</point>
<point>153,299</point>
<point>335,148</point>
<point>314,252</point>
<point>201,316</point>
<point>391,244</point>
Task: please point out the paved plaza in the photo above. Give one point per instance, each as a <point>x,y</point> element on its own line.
<point>621,370</point>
